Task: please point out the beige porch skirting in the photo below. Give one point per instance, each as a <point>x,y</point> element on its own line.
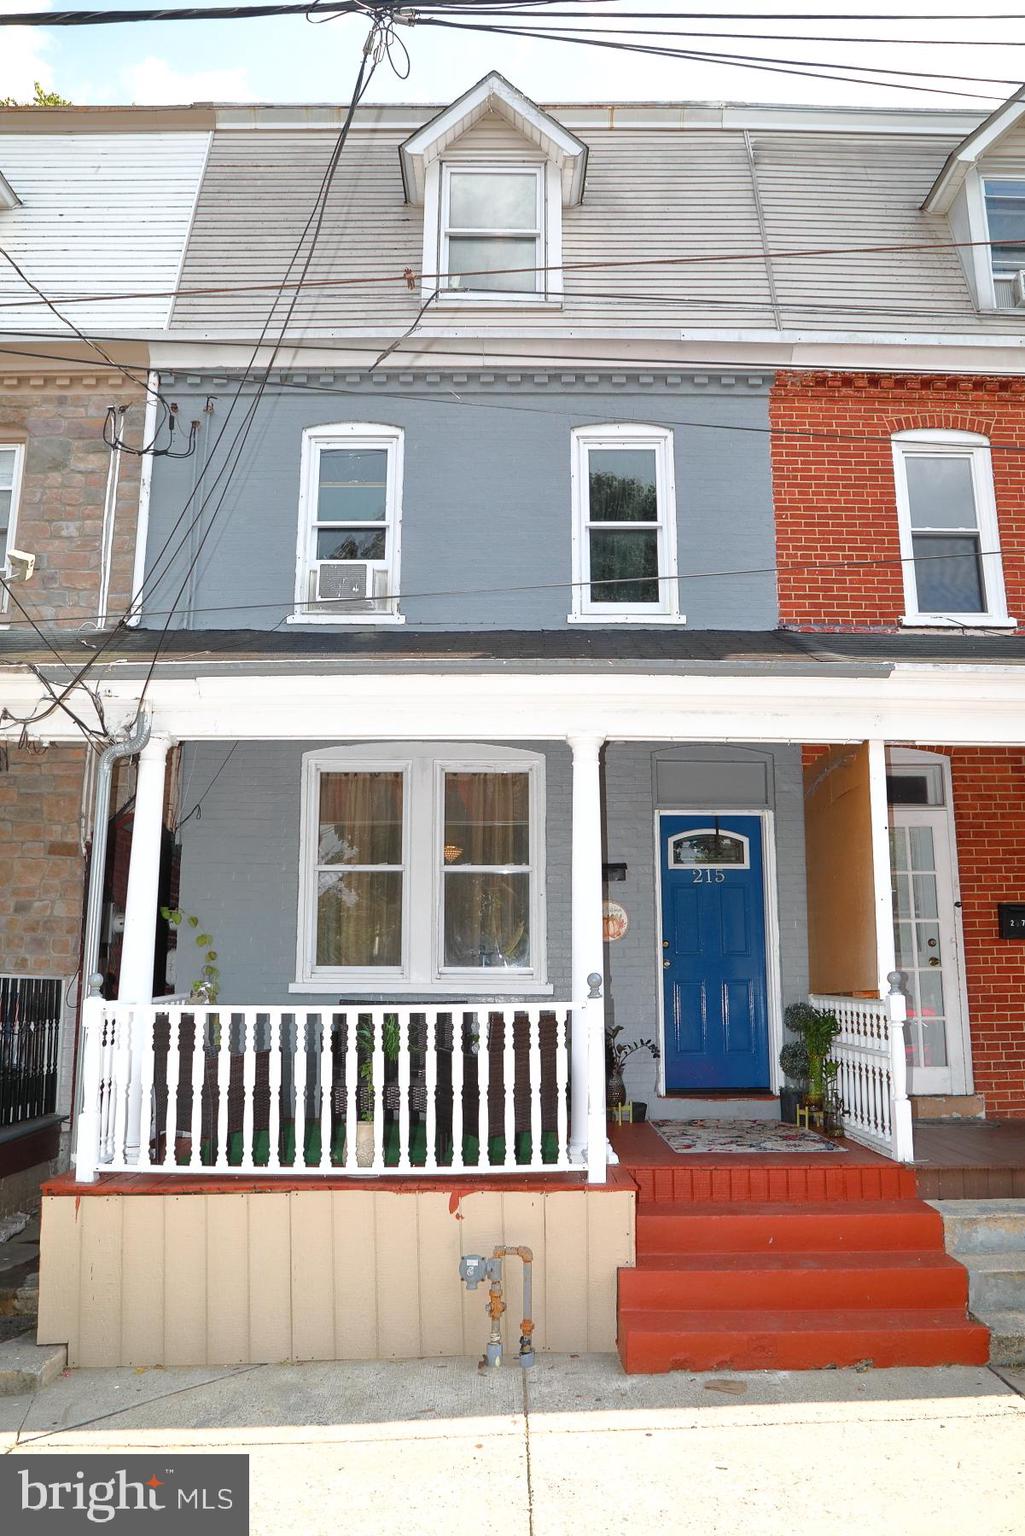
<point>253,1277</point>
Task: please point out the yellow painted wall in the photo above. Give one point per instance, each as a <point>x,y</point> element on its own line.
<point>841,894</point>
<point>221,1279</point>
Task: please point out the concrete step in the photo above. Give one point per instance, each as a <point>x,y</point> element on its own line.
<point>750,1227</point>
<point>26,1366</point>
<point>1006,1337</point>
<point>794,1281</point>
<point>652,1342</point>
<point>996,1281</point>
<point>982,1226</point>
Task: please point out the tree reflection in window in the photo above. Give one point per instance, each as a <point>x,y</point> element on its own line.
<point>708,848</point>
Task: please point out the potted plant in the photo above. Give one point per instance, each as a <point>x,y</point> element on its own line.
<point>833,1105</point>
<point>793,1058</point>
<point>617,1053</point>
<point>818,1029</point>
<point>367,1093</point>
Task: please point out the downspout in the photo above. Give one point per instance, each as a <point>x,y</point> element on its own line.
<point>132,744</point>
<point>107,531</point>
<point>149,428</point>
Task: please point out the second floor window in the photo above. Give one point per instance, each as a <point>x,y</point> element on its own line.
<point>950,545</point>
<point>1005,220</point>
<point>10,474</point>
<point>624,524</point>
<point>492,230</point>
<point>349,523</point>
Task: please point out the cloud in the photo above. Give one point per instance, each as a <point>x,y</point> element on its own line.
<point>154,82</point>
<point>23,54</point>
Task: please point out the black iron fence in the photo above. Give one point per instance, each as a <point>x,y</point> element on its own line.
<point>30,1020</point>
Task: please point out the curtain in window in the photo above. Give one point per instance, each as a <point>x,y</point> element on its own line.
<point>359,873</point>
<point>487,869</point>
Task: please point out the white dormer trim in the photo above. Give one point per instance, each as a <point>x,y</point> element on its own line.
<point>494,94</point>
<point>8,197</point>
<point>970,151</point>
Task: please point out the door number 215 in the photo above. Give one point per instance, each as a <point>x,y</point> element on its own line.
<point>707,876</point>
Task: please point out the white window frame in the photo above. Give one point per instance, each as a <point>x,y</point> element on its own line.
<point>422,970</point>
<point>934,443</point>
<point>548,278</point>
<point>612,436</point>
<point>12,526</point>
<point>975,194</point>
<point>373,436</point>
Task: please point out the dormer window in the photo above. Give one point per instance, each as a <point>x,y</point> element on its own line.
<point>1005,221</point>
<point>493,173</point>
<point>492,229</point>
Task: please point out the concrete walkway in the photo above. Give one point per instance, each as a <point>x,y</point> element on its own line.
<point>573,1446</point>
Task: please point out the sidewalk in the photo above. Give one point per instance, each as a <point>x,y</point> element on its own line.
<point>571,1446</point>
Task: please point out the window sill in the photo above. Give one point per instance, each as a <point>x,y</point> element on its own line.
<point>626,618</point>
<point>420,989</point>
<point>362,619</point>
<point>954,621</point>
<point>473,300</point>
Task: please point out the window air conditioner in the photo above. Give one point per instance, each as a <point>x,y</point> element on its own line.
<point>1019,290</point>
<point>349,586</point>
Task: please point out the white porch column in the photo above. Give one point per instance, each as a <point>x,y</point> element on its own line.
<point>890,979</point>
<point>881,885</point>
<point>587,1063</point>
<point>137,949</point>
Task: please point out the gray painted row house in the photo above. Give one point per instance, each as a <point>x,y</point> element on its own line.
<point>467,716</point>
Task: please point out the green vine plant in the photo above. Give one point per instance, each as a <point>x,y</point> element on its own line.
<point>390,1040</point>
<point>207,986</point>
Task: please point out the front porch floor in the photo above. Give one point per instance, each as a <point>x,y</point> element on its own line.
<point>970,1159</point>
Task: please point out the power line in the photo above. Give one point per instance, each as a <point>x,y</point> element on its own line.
<point>741,61</point>
<point>93,18</point>
<point>401,278</point>
<point>776,569</point>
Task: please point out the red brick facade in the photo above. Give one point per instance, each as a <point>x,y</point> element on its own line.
<point>989,816</point>
<point>59,517</point>
<point>837,542</point>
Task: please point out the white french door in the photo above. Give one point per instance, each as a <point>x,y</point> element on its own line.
<point>927,949</point>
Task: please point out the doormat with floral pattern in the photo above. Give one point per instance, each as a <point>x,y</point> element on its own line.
<point>740,1136</point>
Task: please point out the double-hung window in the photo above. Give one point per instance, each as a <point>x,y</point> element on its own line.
<point>349,523</point>
<point>624,524</point>
<point>11,456</point>
<point>493,230</point>
<point>949,537</point>
<point>422,869</point>
<point>1005,222</point>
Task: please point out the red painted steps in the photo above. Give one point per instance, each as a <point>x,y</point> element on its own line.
<point>762,1285</point>
<point>789,1181</point>
<point>760,1227</point>
<point>793,1281</point>
<point>765,1340</point>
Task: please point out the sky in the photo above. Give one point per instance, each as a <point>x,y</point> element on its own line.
<point>288,59</point>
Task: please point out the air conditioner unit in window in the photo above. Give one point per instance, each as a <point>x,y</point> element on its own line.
<point>349,586</point>
<point>1018,289</point>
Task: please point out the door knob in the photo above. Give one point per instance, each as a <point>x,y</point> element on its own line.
<point>934,960</point>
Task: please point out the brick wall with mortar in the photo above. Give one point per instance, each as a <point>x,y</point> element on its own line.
<point>41,861</point>
<point>60,418</point>
<point>989,820</point>
<point>836,511</point>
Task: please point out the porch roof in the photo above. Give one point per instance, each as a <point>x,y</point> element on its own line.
<point>193,652</point>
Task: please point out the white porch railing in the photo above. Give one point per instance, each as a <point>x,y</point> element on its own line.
<point>872,1080</point>
<point>182,1088</point>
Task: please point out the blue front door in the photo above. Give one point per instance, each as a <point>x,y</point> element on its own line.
<point>713,952</point>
